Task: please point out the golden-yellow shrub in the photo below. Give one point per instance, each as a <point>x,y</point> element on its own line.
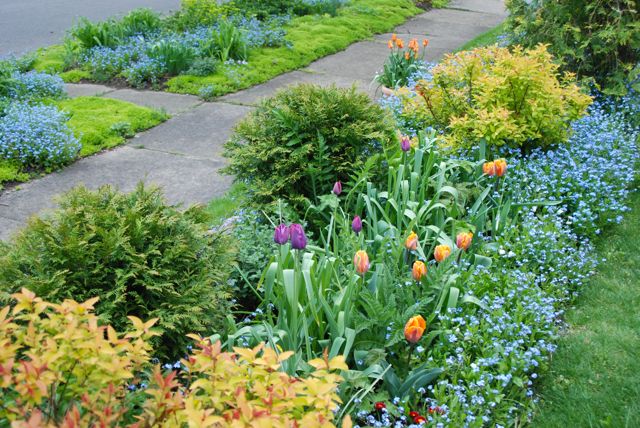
<point>60,368</point>
<point>507,97</point>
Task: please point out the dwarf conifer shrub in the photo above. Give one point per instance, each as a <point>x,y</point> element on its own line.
<point>298,143</point>
<point>515,98</point>
<point>140,256</point>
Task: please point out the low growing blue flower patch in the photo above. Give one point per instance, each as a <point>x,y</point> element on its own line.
<point>37,136</point>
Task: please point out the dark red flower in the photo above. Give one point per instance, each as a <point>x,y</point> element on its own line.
<point>380,405</point>
<point>419,420</point>
<point>413,414</point>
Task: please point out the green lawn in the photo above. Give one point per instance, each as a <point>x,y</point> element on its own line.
<point>485,39</point>
<point>99,123</point>
<point>594,379</point>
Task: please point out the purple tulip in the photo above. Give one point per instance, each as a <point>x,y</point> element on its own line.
<point>281,234</point>
<point>356,225</point>
<point>298,238</point>
<point>405,143</point>
<point>337,188</point>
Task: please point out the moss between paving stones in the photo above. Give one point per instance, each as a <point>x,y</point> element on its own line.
<point>311,37</point>
<point>92,120</point>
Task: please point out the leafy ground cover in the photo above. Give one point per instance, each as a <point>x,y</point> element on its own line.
<point>593,378</point>
<point>307,38</point>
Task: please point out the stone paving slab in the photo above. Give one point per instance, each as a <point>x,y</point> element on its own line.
<point>453,23</point>
<point>166,101</point>
<point>185,179</point>
<point>495,7</point>
<point>200,132</point>
<point>8,227</point>
<point>86,89</point>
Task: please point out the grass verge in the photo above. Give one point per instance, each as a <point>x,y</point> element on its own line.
<point>311,37</point>
<point>225,206</point>
<point>99,123</point>
<point>594,378</point>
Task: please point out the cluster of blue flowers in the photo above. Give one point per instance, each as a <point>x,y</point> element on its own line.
<point>133,60</point>
<point>494,355</point>
<point>34,85</point>
<point>36,135</point>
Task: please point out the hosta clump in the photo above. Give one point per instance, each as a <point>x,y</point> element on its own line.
<point>298,143</point>
<point>37,136</point>
<point>139,255</point>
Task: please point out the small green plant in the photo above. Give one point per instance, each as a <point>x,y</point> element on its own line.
<point>88,34</point>
<point>140,21</point>
<point>401,63</point>
<point>593,38</point>
<point>175,57</point>
<point>227,42</point>
<point>512,98</point>
<point>298,143</point>
<point>197,13</point>
<point>123,129</point>
<point>139,255</point>
<point>203,67</point>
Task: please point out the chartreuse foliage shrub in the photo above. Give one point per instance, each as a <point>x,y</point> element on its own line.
<point>507,97</point>
<point>593,38</point>
<point>61,367</point>
<point>139,255</point>
<point>296,144</point>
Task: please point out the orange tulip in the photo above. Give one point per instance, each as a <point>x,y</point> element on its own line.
<point>390,44</point>
<point>419,270</point>
<point>400,43</point>
<point>441,252</point>
<point>411,243</point>
<point>500,166</point>
<point>463,240</point>
<point>425,42</point>
<point>489,168</point>
<point>361,262</point>
<point>414,329</point>
<point>407,56</point>
<point>394,37</point>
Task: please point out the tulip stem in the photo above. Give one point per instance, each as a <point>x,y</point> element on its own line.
<point>411,348</point>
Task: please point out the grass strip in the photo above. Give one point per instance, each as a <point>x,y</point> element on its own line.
<point>594,377</point>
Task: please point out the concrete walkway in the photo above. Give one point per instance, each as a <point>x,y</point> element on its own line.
<point>183,155</point>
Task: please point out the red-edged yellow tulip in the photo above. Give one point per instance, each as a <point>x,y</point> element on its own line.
<point>414,329</point>
<point>501,167</point>
<point>419,270</point>
<point>441,252</point>
<point>361,262</point>
<point>411,243</point>
<point>400,43</point>
<point>463,240</point>
<point>489,168</point>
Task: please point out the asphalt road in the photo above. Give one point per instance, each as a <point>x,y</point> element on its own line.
<point>26,25</point>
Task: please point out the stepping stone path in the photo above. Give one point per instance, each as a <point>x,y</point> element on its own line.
<point>183,154</point>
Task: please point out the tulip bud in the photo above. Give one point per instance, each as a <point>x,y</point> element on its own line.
<point>500,167</point>
<point>419,270</point>
<point>414,329</point>
<point>361,262</point>
<point>298,238</point>
<point>356,225</point>
<point>281,234</point>
<point>489,168</point>
<point>441,252</point>
<point>337,188</point>
<point>411,243</point>
<point>405,143</point>
<point>463,240</point>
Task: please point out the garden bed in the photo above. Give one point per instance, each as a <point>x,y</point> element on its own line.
<point>272,47</point>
